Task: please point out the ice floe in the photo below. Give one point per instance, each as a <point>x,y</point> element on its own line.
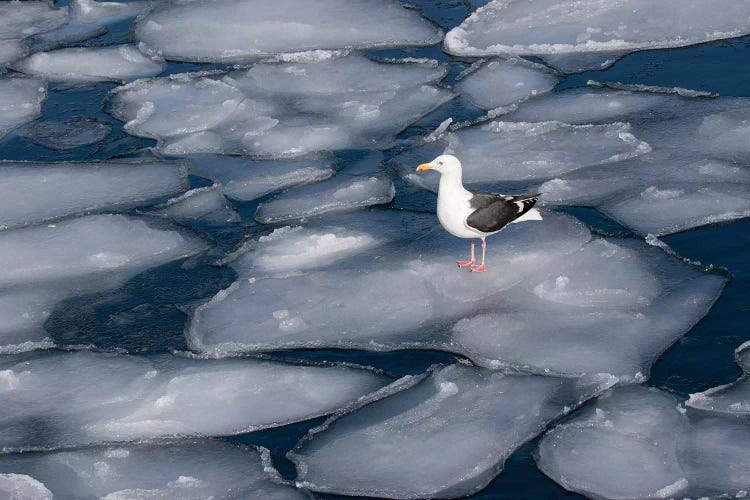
<point>694,175</point>
<point>572,27</point>
<point>637,442</point>
<point>282,108</point>
<point>31,193</point>
<point>730,399</point>
<point>23,487</point>
<point>20,101</point>
<point>624,446</point>
<point>82,397</point>
<point>446,436</point>
<point>340,193</point>
<point>190,469</point>
<point>235,30</point>
<point>20,20</point>
<point>611,303</point>
<point>98,12</point>
<point>524,151</point>
<point>49,263</point>
<point>246,179</point>
<point>67,134</point>
<point>205,204</point>
<point>90,64</point>
<point>500,83</point>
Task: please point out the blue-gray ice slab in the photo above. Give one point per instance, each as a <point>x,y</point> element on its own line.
<point>730,399</point>
<point>238,30</point>
<point>66,134</point>
<point>31,193</point>
<point>87,19</point>
<point>20,101</point>
<point>189,469</point>
<point>524,151</point>
<point>90,64</point>
<point>343,192</point>
<point>69,395</point>
<point>572,27</point>
<point>637,442</point>
<point>445,436</point>
<point>206,204</point>
<point>696,173</point>
<point>624,446</point>
<point>554,300</point>
<point>245,179</point>
<point>19,20</point>
<point>49,263</point>
<point>290,107</point>
<point>501,82</point>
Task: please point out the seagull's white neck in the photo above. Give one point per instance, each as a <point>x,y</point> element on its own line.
<point>451,182</point>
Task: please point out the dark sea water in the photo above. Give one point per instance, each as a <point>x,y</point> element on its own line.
<point>147,315</point>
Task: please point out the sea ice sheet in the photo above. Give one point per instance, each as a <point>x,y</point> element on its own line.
<point>624,446</point>
<point>67,134</point>
<point>524,151</point>
<point>90,64</point>
<point>615,304</point>
<point>637,442</point>
<point>190,469</point>
<point>340,193</point>
<point>19,20</point>
<point>31,193</point>
<point>236,30</point>
<point>696,173</point>
<point>730,399</point>
<point>278,109</point>
<point>49,263</point>
<point>206,204</point>
<point>20,101</point>
<point>501,82</point>
<point>245,179</point>
<point>446,436</point>
<point>70,395</point>
<point>565,27</point>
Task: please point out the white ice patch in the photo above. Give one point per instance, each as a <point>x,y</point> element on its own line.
<point>234,30</point>
<point>20,101</point>
<point>396,447</point>
<point>19,20</point>
<point>22,487</point>
<point>102,12</point>
<point>31,193</point>
<point>246,179</point>
<point>91,398</point>
<point>340,193</point>
<point>281,109</point>
<point>573,27</point>
<point>505,82</point>
<point>90,64</point>
<point>205,204</point>
<point>189,470</point>
<point>46,264</point>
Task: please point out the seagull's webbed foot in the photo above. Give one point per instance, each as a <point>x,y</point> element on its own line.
<point>465,263</point>
<point>478,268</point>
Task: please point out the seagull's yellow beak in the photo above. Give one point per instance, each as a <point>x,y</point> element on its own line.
<point>423,167</point>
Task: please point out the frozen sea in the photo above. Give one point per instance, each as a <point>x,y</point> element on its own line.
<point>144,309</point>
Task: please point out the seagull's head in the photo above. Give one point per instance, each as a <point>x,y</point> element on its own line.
<point>445,164</point>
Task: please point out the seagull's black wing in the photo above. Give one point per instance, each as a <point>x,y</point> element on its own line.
<point>493,211</point>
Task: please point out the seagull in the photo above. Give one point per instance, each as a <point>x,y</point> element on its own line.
<point>475,214</point>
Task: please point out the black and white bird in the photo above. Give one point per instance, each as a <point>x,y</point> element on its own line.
<point>475,214</point>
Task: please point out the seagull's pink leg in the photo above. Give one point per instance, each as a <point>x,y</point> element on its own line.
<point>480,268</point>
<point>468,263</point>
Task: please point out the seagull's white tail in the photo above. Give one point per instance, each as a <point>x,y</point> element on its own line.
<point>532,214</point>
